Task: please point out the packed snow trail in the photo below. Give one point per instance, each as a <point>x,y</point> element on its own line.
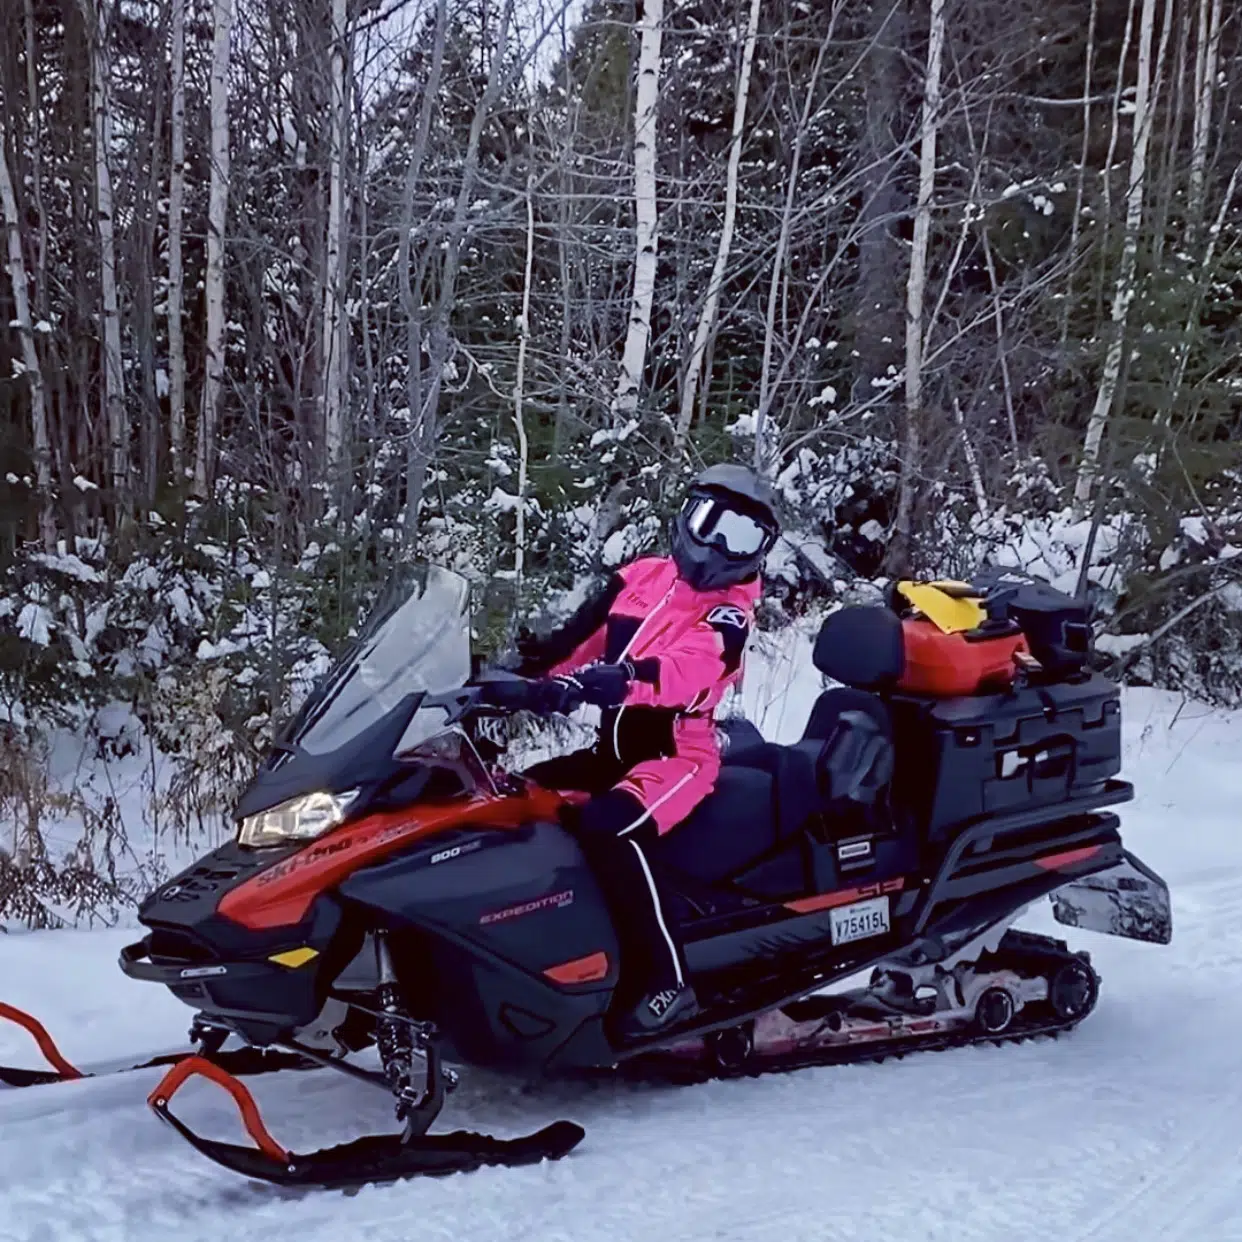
<point>1129,1128</point>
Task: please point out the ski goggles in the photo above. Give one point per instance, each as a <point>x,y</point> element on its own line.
<point>714,523</point>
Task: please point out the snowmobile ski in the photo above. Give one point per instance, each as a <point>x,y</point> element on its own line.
<point>242,1061</point>
<point>371,1159</point>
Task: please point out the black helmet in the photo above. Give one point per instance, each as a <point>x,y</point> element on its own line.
<point>725,528</point>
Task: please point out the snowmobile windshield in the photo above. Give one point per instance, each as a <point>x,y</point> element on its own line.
<point>416,640</point>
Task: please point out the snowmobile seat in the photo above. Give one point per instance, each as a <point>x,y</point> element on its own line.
<point>735,824</point>
<point>773,804</point>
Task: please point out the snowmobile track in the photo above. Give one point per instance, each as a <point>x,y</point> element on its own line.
<point>1189,1194</point>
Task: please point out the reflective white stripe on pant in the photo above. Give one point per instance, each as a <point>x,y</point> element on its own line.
<point>660,801</point>
<point>659,913</point>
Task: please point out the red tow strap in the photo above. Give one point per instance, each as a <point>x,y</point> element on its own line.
<point>200,1067</point>
<point>47,1045</point>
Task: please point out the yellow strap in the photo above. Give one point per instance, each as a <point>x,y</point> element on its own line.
<point>950,613</point>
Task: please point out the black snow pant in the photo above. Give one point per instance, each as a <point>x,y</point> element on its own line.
<point>616,833</point>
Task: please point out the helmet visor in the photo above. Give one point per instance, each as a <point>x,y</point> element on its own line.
<point>714,524</point>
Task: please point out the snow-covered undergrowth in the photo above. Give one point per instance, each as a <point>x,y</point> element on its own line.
<point>148,691</point>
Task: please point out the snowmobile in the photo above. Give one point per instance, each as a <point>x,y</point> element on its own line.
<point>395,898</point>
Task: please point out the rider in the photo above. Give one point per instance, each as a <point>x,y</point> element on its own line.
<point>656,649</point>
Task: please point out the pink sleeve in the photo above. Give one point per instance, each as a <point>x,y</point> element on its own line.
<point>587,652</point>
<point>688,672</point>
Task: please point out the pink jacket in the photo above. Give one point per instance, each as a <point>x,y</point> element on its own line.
<point>696,637</point>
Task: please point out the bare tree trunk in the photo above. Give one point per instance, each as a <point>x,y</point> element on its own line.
<point>646,214</point>
<point>877,323</point>
<point>1106,187</point>
<point>176,276</point>
<point>217,217</point>
<point>1171,139</point>
<point>36,160</point>
<point>427,420</point>
<point>782,247</point>
<point>410,305</point>
<point>912,452</point>
<point>519,392</point>
<point>1076,222</point>
<point>1123,294</point>
<point>333,336</point>
<point>96,19</point>
<point>30,354</point>
<point>1207,49</point>
<point>711,304</point>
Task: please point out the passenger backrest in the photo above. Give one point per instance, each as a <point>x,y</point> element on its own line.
<point>861,646</point>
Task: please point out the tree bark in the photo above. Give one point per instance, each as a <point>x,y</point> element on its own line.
<point>711,304</point>
<point>95,13</point>
<point>519,393</point>
<point>646,215</point>
<point>912,449</point>
<point>36,160</point>
<point>427,422</point>
<point>1207,49</point>
<point>30,354</point>
<point>217,218</point>
<point>877,323</point>
<point>410,305</point>
<point>176,275</point>
<point>1123,293</point>
<point>782,248</point>
<point>333,320</point>
<point>1079,188</point>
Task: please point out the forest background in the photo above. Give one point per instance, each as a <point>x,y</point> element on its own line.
<point>295,290</point>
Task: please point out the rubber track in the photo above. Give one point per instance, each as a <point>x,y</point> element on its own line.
<point>674,1071</point>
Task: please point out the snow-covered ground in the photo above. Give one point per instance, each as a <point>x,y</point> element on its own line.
<point>1128,1129</point>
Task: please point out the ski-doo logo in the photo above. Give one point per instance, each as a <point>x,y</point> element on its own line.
<point>556,901</point>
<point>320,852</point>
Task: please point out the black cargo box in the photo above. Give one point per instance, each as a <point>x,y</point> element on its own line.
<point>962,758</point>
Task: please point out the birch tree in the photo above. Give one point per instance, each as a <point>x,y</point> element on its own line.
<point>1207,49</point>
<point>519,394</point>
<point>95,16</point>
<point>916,284</point>
<point>1124,290</point>
<point>217,216</point>
<point>30,354</point>
<point>176,276</point>
<point>711,303</point>
<point>333,320</point>
<point>646,214</point>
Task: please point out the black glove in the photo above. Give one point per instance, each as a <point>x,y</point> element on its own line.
<point>550,695</point>
<point>513,693</point>
<point>605,685</point>
<point>543,695</point>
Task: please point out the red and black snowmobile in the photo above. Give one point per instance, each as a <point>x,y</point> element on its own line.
<point>388,887</point>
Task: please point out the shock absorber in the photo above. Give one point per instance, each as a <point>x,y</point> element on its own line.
<point>394,1034</point>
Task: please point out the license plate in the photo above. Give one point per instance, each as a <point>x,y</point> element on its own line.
<point>860,920</point>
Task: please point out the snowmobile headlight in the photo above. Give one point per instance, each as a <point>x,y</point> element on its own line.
<point>300,819</point>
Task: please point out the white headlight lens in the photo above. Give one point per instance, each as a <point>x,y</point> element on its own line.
<point>300,819</point>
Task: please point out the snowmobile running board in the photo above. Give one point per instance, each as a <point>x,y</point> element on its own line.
<point>372,1159</point>
<point>242,1061</point>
